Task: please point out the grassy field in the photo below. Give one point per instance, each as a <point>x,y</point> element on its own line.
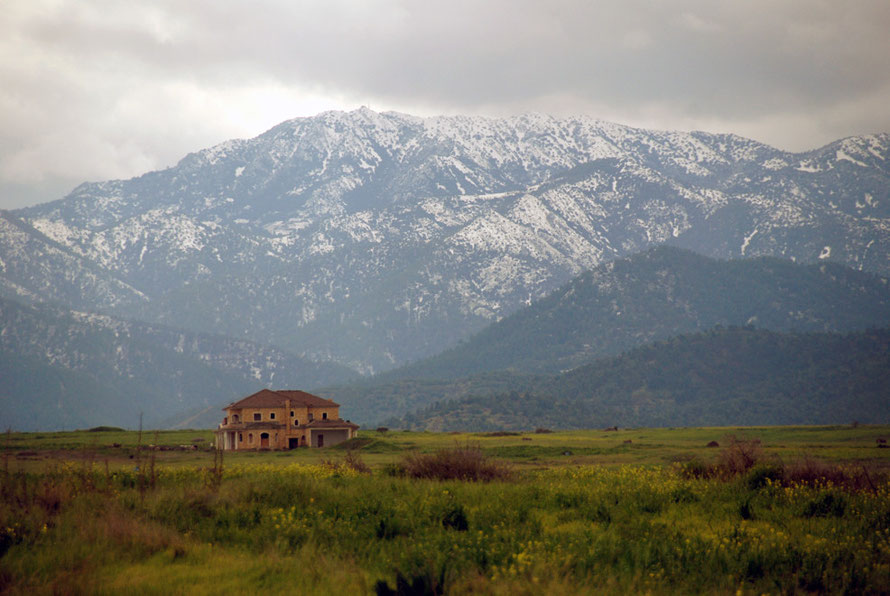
<point>767,510</point>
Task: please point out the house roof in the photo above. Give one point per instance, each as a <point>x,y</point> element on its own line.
<point>307,399</point>
<point>266,398</point>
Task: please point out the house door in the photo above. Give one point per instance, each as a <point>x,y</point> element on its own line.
<point>321,440</point>
<point>293,443</point>
<point>264,440</point>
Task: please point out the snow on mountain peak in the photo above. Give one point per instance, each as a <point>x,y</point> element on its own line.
<point>377,237</point>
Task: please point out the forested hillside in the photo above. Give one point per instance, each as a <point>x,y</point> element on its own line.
<point>725,376</point>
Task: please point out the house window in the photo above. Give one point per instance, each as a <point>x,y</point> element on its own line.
<point>311,416</point>
<point>296,422</point>
<point>324,415</point>
<point>257,416</point>
<point>240,438</point>
<point>291,413</point>
<point>235,418</point>
<point>271,415</point>
<point>250,437</point>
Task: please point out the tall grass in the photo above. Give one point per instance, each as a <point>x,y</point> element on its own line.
<point>338,527</point>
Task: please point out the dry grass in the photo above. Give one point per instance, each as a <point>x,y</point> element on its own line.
<point>746,458</point>
<point>459,463</point>
<point>852,477</point>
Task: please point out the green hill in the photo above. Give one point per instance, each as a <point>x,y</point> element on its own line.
<point>735,376</point>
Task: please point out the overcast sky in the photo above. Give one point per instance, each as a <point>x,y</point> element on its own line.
<point>100,89</point>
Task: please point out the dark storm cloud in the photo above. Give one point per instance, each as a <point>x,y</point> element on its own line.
<point>724,58</point>
<point>99,88</point>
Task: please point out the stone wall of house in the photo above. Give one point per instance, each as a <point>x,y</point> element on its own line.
<point>290,418</point>
<point>331,436</point>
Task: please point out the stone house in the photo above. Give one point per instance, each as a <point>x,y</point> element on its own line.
<point>282,420</point>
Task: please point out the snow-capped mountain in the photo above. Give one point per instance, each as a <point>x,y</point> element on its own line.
<point>373,239</point>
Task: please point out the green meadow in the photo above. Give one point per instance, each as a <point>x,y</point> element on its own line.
<point>765,510</point>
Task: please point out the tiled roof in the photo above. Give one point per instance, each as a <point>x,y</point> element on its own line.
<point>307,399</point>
<point>266,398</point>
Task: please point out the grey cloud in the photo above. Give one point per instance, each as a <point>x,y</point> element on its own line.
<point>741,55</point>
<point>131,85</point>
<point>461,53</point>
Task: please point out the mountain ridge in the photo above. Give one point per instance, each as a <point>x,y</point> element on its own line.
<point>371,239</point>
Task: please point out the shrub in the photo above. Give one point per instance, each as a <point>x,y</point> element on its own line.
<point>825,505</point>
<point>354,460</point>
<point>695,468</point>
<point>814,472</point>
<point>421,583</point>
<point>460,463</point>
<point>455,519</point>
<point>739,456</point>
<point>389,527</point>
<point>811,471</point>
<point>351,461</point>
<point>394,470</point>
<point>745,510</point>
<point>599,513</point>
<point>762,474</point>
<point>683,494</point>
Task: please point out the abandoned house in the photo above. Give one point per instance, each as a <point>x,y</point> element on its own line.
<point>282,420</point>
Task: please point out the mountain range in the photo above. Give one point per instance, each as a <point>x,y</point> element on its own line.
<point>370,240</point>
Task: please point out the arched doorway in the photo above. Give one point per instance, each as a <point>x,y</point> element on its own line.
<point>264,440</point>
